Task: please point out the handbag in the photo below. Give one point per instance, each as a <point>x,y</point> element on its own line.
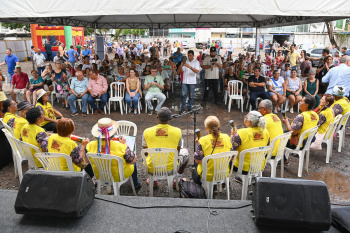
<point>189,189</point>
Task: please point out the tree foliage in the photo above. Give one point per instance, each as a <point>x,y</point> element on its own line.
<point>13,26</point>
<point>88,31</point>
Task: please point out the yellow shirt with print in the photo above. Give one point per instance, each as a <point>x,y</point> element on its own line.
<point>9,116</point>
<point>65,145</point>
<point>117,149</point>
<point>49,112</point>
<point>17,126</point>
<point>310,120</point>
<point>29,133</point>
<point>274,127</point>
<point>329,114</point>
<point>223,144</point>
<point>344,104</point>
<point>162,136</point>
<point>251,138</point>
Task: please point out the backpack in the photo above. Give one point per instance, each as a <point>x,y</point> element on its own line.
<point>189,189</point>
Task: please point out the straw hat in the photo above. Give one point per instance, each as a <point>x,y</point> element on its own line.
<point>104,123</point>
<point>40,93</point>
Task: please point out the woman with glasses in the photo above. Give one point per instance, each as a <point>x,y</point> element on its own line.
<point>10,110</point>
<point>322,70</point>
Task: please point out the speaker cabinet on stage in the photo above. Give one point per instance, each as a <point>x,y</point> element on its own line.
<point>100,47</point>
<point>291,203</point>
<point>55,193</point>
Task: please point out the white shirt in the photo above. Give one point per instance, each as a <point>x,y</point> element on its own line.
<point>230,48</point>
<point>190,77</point>
<point>87,66</point>
<point>204,51</point>
<point>174,49</point>
<point>211,73</point>
<point>39,59</point>
<point>339,75</point>
<point>276,84</point>
<point>164,74</point>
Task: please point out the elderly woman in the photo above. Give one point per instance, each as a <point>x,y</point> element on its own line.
<point>311,87</point>
<point>213,143</point>
<point>20,121</point>
<point>61,143</point>
<point>293,90</point>
<point>46,76</point>
<point>36,83</point>
<point>255,135</point>
<point>10,110</point>
<point>103,132</point>
<point>50,121</point>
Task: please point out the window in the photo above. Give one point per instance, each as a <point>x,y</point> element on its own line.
<point>186,36</point>
<point>317,51</point>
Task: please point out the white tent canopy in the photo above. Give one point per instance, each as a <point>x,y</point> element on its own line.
<point>172,14</point>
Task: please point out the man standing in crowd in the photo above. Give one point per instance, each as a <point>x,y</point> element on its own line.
<point>189,69</point>
<point>339,76</point>
<point>32,53</point>
<point>86,52</point>
<point>285,48</point>
<point>334,50</point>
<point>48,49</point>
<point>98,90</point>
<point>154,85</point>
<point>268,48</point>
<point>39,60</point>
<point>166,136</point>
<point>230,48</point>
<point>211,65</point>
<point>257,85</point>
<point>177,56</point>
<point>11,60</point>
<point>72,55</point>
<point>325,53</point>
<point>19,84</point>
<point>79,88</point>
<point>78,48</point>
<point>294,56</point>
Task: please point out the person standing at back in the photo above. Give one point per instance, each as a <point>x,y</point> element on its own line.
<point>11,60</point>
<point>39,60</point>
<point>48,49</point>
<point>72,55</point>
<point>230,48</point>
<point>211,65</point>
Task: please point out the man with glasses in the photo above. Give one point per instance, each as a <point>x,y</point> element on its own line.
<point>276,86</point>
<point>154,85</point>
<point>189,69</point>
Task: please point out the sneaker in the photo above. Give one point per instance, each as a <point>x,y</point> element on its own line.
<point>291,110</point>
<point>84,114</point>
<point>238,180</point>
<point>101,111</point>
<point>135,111</point>
<point>129,110</point>
<point>74,114</point>
<point>150,112</point>
<point>155,183</point>
<point>182,112</point>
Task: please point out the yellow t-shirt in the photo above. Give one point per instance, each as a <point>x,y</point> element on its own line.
<point>310,120</point>
<point>162,136</point>
<point>274,127</point>
<point>223,144</point>
<point>344,103</point>
<point>29,133</point>
<point>9,116</point>
<point>293,58</point>
<point>49,112</point>
<point>251,138</point>
<point>329,114</point>
<point>65,145</point>
<point>17,126</point>
<point>117,149</point>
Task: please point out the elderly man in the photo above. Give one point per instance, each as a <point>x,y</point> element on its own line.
<point>79,89</point>
<point>339,76</point>
<point>154,85</point>
<point>39,61</point>
<point>98,90</point>
<point>166,136</point>
<point>177,56</point>
<point>257,85</point>
<point>19,84</point>
<point>277,90</point>
<point>11,60</point>
<point>189,69</point>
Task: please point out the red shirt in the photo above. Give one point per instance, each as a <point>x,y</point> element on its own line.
<point>199,58</point>
<point>20,81</point>
<point>216,46</point>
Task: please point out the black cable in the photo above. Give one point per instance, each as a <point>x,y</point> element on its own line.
<point>174,207</point>
<point>339,204</point>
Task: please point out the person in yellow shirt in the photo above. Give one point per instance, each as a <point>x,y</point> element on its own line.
<point>10,110</point>
<point>21,120</point>
<point>33,134</point>
<point>61,143</point>
<point>50,120</point>
<point>213,143</point>
<point>294,57</point>
<point>325,113</point>
<point>302,122</point>
<point>273,123</point>
<point>255,135</point>
<point>164,135</point>
<point>103,133</point>
<point>341,104</point>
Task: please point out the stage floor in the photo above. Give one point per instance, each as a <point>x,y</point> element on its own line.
<point>110,217</point>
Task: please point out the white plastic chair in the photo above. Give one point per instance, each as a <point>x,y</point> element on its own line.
<point>139,106</point>
<point>116,95</point>
<point>159,157</point>
<point>80,103</point>
<point>51,161</point>
<point>287,105</point>
<point>221,164</point>
<point>97,105</point>
<point>328,138</point>
<point>7,127</point>
<point>146,105</point>
<point>103,164</point>
<point>341,132</point>
<point>306,149</point>
<point>124,129</point>
<point>283,140</point>
<point>53,92</point>
<point>257,156</point>
<point>235,89</point>
<point>27,151</point>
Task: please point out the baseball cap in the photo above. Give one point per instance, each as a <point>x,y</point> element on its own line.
<point>212,49</point>
<point>17,66</point>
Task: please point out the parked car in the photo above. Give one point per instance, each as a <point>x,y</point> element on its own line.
<point>309,46</point>
<point>185,44</point>
<point>250,45</point>
<point>315,52</point>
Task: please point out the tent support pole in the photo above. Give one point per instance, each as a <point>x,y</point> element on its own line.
<point>257,41</point>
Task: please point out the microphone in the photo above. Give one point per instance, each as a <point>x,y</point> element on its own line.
<point>284,113</point>
<point>233,125</point>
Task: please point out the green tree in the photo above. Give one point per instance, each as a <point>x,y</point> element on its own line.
<point>13,26</point>
<point>88,31</point>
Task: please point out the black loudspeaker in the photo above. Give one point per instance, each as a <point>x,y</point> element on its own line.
<point>291,203</point>
<point>55,193</point>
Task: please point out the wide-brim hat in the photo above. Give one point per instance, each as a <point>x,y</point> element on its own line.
<point>104,123</point>
<point>40,93</point>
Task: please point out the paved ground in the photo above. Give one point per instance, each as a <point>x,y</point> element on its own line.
<point>335,174</point>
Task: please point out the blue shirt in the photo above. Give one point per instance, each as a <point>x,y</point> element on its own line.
<point>71,53</point>
<point>178,58</point>
<point>339,75</point>
<point>39,80</point>
<point>79,86</point>
<point>11,62</point>
<point>86,52</point>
